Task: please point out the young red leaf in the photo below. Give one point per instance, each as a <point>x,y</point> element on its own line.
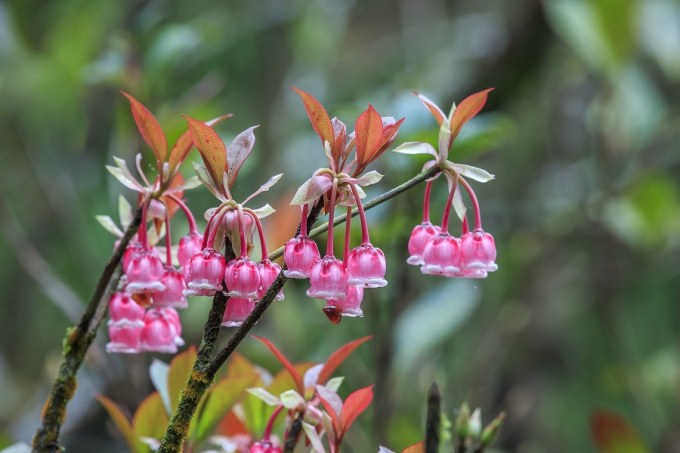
<point>354,405</point>
<point>211,147</point>
<point>416,448</point>
<point>332,403</point>
<point>368,136</point>
<point>121,420</point>
<point>432,107</point>
<point>184,143</point>
<point>468,108</point>
<point>614,434</point>
<point>280,357</point>
<point>238,151</point>
<point>339,146</point>
<point>150,129</point>
<point>321,122</point>
<point>337,358</point>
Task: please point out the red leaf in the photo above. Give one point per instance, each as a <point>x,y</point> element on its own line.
<point>150,419</point>
<point>468,108</point>
<point>337,358</point>
<point>614,434</point>
<point>121,420</point>
<point>415,448</point>
<point>368,136</point>
<point>354,405</point>
<point>334,416</point>
<point>177,181</point>
<point>238,151</point>
<point>339,146</point>
<point>184,143</point>
<point>211,147</point>
<point>289,366</point>
<point>432,107</point>
<point>150,129</point>
<point>321,122</point>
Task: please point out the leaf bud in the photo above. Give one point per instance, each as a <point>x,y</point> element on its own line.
<point>490,433</point>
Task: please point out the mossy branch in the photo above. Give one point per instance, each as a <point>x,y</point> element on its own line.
<point>76,343</point>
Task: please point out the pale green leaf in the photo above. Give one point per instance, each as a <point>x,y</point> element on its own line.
<point>109,225</point>
<point>264,395</point>
<point>314,438</point>
<point>416,148</point>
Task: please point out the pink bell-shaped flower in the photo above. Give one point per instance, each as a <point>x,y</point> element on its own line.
<point>264,446</point>
<point>124,338</point>
<point>242,278</point>
<point>189,245</point>
<point>173,296</point>
<point>268,273</point>
<point>300,254</point>
<point>478,254</point>
<point>366,267</point>
<point>203,273</point>
<point>173,316</point>
<point>420,236</point>
<point>328,279</point>
<point>125,311</point>
<point>349,306</point>
<point>237,311</point>
<point>442,256</point>
<point>160,331</point>
<point>132,249</point>
<point>144,273</point>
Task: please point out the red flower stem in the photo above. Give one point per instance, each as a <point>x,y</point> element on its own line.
<point>464,226</point>
<point>270,423</point>
<point>331,213</point>
<point>426,204</point>
<point>242,231</point>
<point>303,222</point>
<point>187,213</point>
<point>447,209</point>
<point>260,231</point>
<point>475,203</point>
<point>214,223</point>
<point>168,239</point>
<point>208,229</point>
<point>348,234</point>
<point>142,228</point>
<point>362,216</point>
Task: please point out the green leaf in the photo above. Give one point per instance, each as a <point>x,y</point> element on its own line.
<point>180,368</point>
<point>121,420</point>
<point>127,182</point>
<point>109,225</point>
<point>416,148</point>
<point>265,396</point>
<point>471,172</point>
<point>220,400</point>
<point>125,212</point>
<point>150,420</point>
<point>314,438</point>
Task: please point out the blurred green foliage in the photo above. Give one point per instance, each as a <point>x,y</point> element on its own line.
<point>581,132</point>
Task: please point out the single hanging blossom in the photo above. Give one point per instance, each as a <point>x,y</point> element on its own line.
<point>238,309</point>
<point>125,324</point>
<point>204,272</point>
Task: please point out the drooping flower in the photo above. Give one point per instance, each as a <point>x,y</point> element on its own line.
<point>238,309</point>
<point>204,272</point>
<point>328,279</point>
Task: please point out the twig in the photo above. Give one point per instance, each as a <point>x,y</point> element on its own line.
<point>77,342</point>
<point>293,434</point>
<point>433,423</point>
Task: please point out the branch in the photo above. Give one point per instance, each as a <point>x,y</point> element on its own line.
<point>293,434</point>
<point>204,372</point>
<point>433,423</point>
<point>78,340</point>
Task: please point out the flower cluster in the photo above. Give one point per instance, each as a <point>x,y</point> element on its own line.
<point>340,282</point>
<point>473,255</point>
<point>142,313</point>
<point>208,271</point>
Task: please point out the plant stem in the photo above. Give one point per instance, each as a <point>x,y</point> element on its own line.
<point>78,340</point>
<point>204,370</point>
<point>433,423</point>
<point>362,216</point>
<point>293,434</point>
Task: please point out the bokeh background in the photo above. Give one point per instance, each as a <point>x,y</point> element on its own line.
<point>581,131</point>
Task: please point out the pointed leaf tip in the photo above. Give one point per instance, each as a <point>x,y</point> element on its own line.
<point>339,356</point>
<point>150,129</point>
<point>284,361</point>
<point>321,122</point>
<point>211,147</point>
<point>467,109</point>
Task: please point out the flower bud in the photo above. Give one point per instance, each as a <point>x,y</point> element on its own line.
<point>366,267</point>
<point>492,430</point>
<point>300,254</point>
<point>242,278</point>
<point>328,279</point>
<point>475,424</point>
<point>463,421</point>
